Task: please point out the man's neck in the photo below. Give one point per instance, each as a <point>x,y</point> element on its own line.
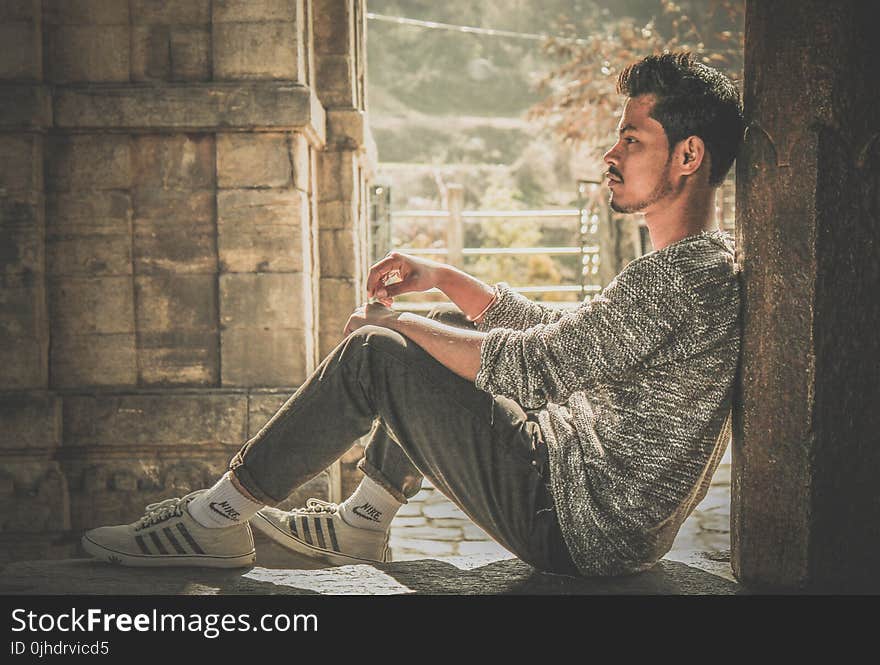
<point>684,216</point>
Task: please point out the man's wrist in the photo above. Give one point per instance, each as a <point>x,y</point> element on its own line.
<point>442,276</point>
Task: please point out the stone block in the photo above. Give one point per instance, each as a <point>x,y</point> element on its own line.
<point>248,208</point>
<point>22,307</point>
<point>172,302</point>
<point>80,53</point>
<point>179,357</point>
<point>89,161</point>
<point>20,10</point>
<point>260,248</point>
<point>25,362</point>
<point>427,533</point>
<point>81,361</point>
<point>337,175</point>
<point>86,305</point>
<point>83,210</point>
<point>209,107</point>
<point>260,357</point>
<point>337,214</point>
<point>103,250</point>
<point>174,245</point>
<point>28,106</point>
<point>302,173</point>
<point>148,420</point>
<point>162,11</point>
<point>167,53</point>
<point>21,169</point>
<point>22,55</point>
<point>261,408</point>
<point>253,160</point>
<point>233,11</point>
<point>150,53</point>
<point>255,51</point>
<point>338,256</point>
<point>268,301</point>
<point>338,300</point>
<point>190,54</point>
<point>175,206</point>
<point>346,128</point>
<point>333,27</point>
<point>88,234</point>
<point>21,237</point>
<point>86,12</point>
<point>180,161</point>
<point>260,230</point>
<point>336,81</point>
<point>30,421</point>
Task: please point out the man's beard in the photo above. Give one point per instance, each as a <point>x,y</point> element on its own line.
<point>663,188</point>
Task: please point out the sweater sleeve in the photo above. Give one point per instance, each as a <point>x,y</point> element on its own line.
<point>515,311</point>
<point>600,342</point>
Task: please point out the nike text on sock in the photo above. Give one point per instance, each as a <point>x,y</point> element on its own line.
<point>223,505</point>
<point>371,506</point>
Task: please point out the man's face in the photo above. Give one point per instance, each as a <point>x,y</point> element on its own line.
<point>638,172</point>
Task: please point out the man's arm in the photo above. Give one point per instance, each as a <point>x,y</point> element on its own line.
<point>457,349</point>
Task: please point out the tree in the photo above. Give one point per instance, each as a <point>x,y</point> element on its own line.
<point>582,103</point>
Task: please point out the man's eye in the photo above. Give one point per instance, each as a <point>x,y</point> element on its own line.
<point>630,139</point>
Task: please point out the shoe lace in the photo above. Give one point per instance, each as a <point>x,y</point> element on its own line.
<point>317,507</point>
<point>159,512</point>
<point>163,510</point>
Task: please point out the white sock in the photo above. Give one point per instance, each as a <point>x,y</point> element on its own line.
<point>222,505</point>
<point>371,506</point>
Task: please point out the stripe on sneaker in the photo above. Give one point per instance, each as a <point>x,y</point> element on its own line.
<point>158,543</point>
<point>318,530</point>
<point>332,530</point>
<point>306,532</point>
<point>292,525</point>
<point>189,539</point>
<point>171,539</point>
<point>142,545</point>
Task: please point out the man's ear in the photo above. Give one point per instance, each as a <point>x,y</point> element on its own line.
<point>689,155</point>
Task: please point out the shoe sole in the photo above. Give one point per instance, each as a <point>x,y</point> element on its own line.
<point>103,553</point>
<point>286,540</point>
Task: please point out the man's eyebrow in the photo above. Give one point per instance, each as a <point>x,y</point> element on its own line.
<point>627,128</point>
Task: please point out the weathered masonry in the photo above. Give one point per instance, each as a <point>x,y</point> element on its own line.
<point>183,234</point>
<point>806,457</point>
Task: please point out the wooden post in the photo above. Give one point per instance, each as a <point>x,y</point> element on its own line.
<point>455,226</point>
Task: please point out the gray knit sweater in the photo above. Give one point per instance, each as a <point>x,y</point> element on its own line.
<point>634,394</point>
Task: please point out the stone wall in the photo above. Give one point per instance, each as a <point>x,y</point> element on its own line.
<point>182,236</point>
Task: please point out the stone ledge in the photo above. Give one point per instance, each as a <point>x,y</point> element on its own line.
<point>468,576</point>
<point>252,106</point>
<point>25,106</point>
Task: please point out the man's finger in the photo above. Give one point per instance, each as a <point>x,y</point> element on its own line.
<point>378,271</point>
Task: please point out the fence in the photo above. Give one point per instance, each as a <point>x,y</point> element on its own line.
<point>581,224</point>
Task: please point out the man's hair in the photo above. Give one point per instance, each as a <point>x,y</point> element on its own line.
<point>692,100</point>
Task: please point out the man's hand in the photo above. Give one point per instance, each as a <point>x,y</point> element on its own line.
<point>415,274</point>
<point>374,314</point>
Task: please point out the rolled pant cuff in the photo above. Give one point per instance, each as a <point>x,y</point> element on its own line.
<point>376,476</point>
<point>244,482</point>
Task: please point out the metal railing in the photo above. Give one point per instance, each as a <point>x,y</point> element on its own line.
<point>584,224</point>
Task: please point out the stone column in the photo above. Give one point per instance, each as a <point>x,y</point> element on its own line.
<point>35,510</point>
<point>806,454</point>
<point>345,167</point>
<point>172,255</point>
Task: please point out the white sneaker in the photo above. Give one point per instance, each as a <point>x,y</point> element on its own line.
<point>167,535</point>
<point>319,532</point>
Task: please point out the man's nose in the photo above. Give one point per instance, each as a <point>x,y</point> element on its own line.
<point>610,157</point>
